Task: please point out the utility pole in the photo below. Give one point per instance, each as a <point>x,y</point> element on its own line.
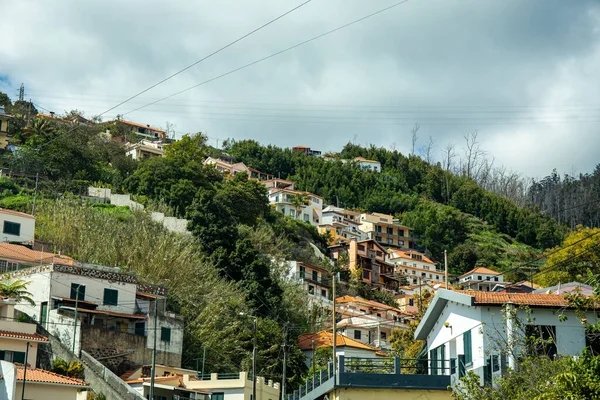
<point>254,361</point>
<point>334,326</point>
<point>75,316</point>
<point>313,364</point>
<point>284,362</point>
<point>37,175</point>
<point>25,372</point>
<point>21,92</point>
<point>203,359</point>
<point>446,267</point>
<point>154,349</point>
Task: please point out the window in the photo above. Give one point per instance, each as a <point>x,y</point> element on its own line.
<point>487,278</point>
<point>292,213</point>
<point>315,276</point>
<point>468,348</point>
<point>400,232</point>
<point>379,315</point>
<point>361,247</point>
<point>12,228</point>
<point>479,278</point>
<point>378,229</point>
<point>383,335</point>
<point>311,289</point>
<point>77,291</point>
<point>496,279</point>
<point>495,363</point>
<point>44,313</point>
<point>357,335</point>
<point>378,238</point>
<point>302,272</point>
<point>390,231</point>
<point>111,297</point>
<point>165,334</point>
<point>140,328</point>
<point>379,254</point>
<point>540,340</point>
<point>366,275</point>
<point>323,293</point>
<point>12,356</point>
<point>217,396</point>
<point>400,242</point>
<point>411,302</point>
<point>306,217</point>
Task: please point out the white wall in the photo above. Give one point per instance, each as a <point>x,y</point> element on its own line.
<point>176,326</point>
<point>27,227</point>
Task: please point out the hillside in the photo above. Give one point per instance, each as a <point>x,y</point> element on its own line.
<point>446,211</point>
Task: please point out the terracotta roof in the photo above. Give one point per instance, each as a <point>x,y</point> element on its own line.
<point>407,255</point>
<point>20,335</point>
<point>527,283</point>
<point>362,159</point>
<point>323,339</point>
<point>139,125</point>
<point>22,253</point>
<point>43,376</point>
<point>526,299</point>
<point>22,214</point>
<point>370,303</point>
<point>481,270</point>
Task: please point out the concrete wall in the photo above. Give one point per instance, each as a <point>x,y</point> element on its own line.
<point>8,382</point>
<point>27,227</point>
<point>20,346</point>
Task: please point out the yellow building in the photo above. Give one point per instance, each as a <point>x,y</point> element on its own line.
<point>386,230</point>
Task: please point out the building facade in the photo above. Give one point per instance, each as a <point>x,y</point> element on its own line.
<point>315,280</point>
<point>480,278</point>
<point>309,210</point>
<point>386,230</point>
<point>4,120</point>
<point>16,226</point>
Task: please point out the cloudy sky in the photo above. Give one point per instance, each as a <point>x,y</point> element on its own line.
<point>524,74</point>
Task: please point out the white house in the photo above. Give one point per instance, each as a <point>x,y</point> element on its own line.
<point>480,278</point>
<point>311,211</point>
<point>485,332</point>
<point>336,222</point>
<point>370,165</point>
<point>91,308</point>
<point>314,279</point>
<point>145,149</point>
<point>415,266</point>
<point>16,226</point>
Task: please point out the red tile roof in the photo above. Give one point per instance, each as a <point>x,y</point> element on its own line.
<point>526,299</point>
<point>43,376</point>
<point>481,270</point>
<point>407,255</point>
<point>21,214</point>
<point>323,339</point>
<point>370,303</point>
<point>20,335</point>
<point>22,253</point>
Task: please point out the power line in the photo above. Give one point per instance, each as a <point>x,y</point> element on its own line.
<point>207,57</point>
<point>272,55</point>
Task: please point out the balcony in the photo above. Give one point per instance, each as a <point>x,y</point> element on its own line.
<point>11,325</point>
<point>323,281</point>
<point>375,373</point>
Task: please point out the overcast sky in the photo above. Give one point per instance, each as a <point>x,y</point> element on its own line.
<point>524,74</point>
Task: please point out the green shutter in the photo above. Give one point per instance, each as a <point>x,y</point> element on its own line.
<point>468,347</point>
<point>77,291</point>
<point>12,228</point>
<point>165,334</point>
<point>111,297</point>
<point>443,359</point>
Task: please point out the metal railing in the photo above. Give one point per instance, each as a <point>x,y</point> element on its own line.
<point>369,365</point>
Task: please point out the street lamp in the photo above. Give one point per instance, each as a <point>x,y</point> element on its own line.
<point>253,355</point>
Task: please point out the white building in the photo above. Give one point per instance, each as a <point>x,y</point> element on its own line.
<point>17,226</point>
<point>311,211</point>
<point>370,165</point>
<point>336,223</point>
<point>145,149</point>
<point>112,310</point>
<point>415,266</point>
<point>473,329</point>
<point>480,278</point>
<point>315,280</point>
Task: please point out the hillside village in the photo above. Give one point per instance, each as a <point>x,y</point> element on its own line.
<point>387,315</point>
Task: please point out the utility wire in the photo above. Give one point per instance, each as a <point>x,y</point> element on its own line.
<point>206,57</point>
<point>272,55</point>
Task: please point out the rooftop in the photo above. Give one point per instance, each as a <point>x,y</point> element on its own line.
<point>139,125</point>
<point>362,159</point>
<point>480,270</point>
<point>21,214</point>
<point>25,336</point>
<point>43,376</point>
<point>324,339</point>
<point>22,253</point>
<point>370,303</point>
<point>407,254</point>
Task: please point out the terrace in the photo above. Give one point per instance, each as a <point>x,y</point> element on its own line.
<point>377,373</point>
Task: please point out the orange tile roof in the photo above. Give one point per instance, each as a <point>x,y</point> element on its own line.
<point>20,335</point>
<point>139,125</point>
<point>527,283</point>
<point>43,376</point>
<point>323,339</point>
<point>22,214</point>
<point>362,159</point>
<point>22,253</point>
<point>407,255</point>
<point>370,303</point>
<point>526,299</point>
<point>481,270</point>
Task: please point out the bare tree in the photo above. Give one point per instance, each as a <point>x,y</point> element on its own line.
<point>449,155</point>
<point>170,130</point>
<point>427,150</point>
<point>414,132</point>
<point>474,156</point>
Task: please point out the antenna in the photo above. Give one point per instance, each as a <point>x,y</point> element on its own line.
<point>21,92</point>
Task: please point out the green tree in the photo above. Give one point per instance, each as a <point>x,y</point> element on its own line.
<point>17,291</point>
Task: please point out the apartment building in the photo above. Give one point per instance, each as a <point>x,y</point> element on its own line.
<point>304,206</point>
<point>386,230</point>
<point>336,223</point>
<point>146,131</point>
<point>306,150</point>
<point>369,257</point>
<point>415,266</point>
<point>145,149</point>
<point>314,279</point>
